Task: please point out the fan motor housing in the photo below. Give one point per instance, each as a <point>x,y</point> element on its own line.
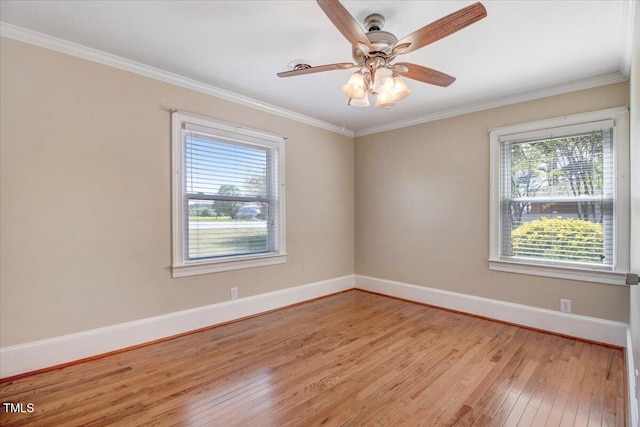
<point>382,41</point>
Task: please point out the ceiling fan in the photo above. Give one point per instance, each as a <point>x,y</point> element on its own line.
<point>375,50</point>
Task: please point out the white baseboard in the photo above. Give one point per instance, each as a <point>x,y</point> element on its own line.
<point>588,328</point>
<point>32,356</point>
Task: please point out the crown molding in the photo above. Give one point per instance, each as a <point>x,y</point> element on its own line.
<point>74,49</point>
<point>588,83</point>
<point>39,39</point>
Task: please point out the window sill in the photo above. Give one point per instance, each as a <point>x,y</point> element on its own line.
<point>584,275</point>
<point>216,266</point>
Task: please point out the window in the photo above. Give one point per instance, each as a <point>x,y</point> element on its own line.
<point>228,197</point>
<point>559,197</point>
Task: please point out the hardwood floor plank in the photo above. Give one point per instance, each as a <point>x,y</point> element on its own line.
<point>353,358</point>
<point>546,388</point>
<point>502,384</point>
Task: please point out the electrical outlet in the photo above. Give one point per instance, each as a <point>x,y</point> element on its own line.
<point>565,305</point>
<point>234,293</point>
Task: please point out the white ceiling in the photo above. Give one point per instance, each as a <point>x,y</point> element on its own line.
<point>521,49</point>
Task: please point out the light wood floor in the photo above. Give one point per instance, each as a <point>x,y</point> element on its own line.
<point>349,359</point>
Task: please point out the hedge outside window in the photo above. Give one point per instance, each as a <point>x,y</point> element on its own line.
<point>559,190</point>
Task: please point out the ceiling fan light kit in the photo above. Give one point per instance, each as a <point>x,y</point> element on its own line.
<point>387,87</point>
<point>374,51</point>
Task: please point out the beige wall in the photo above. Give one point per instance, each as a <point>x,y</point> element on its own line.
<point>422,208</point>
<point>86,198</point>
<point>85,220</point>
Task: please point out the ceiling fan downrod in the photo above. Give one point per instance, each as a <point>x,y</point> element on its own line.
<point>374,22</point>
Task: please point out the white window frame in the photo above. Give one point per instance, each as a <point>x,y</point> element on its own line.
<point>182,266</point>
<point>616,273</point>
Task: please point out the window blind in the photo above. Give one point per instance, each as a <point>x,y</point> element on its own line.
<point>231,196</point>
<point>556,198</point>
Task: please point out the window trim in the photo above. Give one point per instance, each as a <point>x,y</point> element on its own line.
<point>614,275</point>
<point>181,266</point>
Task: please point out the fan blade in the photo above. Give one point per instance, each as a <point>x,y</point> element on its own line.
<point>444,27</point>
<point>318,69</point>
<point>344,22</point>
<point>426,75</point>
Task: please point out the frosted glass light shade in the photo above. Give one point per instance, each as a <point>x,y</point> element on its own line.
<point>400,90</point>
<point>383,100</point>
<point>359,102</point>
<point>355,87</point>
<point>383,81</point>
